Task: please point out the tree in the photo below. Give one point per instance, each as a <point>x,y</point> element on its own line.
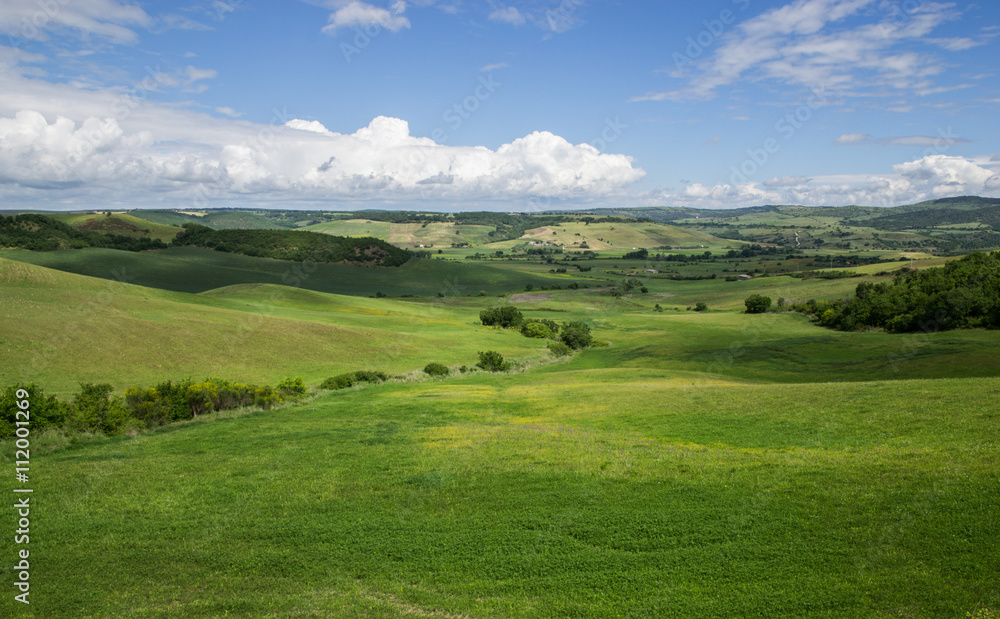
<point>492,361</point>
<point>576,335</point>
<point>505,317</point>
<point>95,409</point>
<point>39,410</point>
<point>757,304</point>
<point>701,306</point>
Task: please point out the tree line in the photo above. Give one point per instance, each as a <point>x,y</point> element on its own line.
<point>297,245</point>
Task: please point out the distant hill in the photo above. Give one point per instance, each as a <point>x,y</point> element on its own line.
<point>43,233</point>
<point>295,245</point>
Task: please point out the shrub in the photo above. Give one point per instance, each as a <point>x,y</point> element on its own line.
<point>95,409</point>
<point>492,361</point>
<point>536,329</point>
<point>559,349</point>
<point>757,304</point>
<point>341,381</point>
<point>292,387</point>
<point>701,306</point>
<point>349,379</point>
<point>370,376</point>
<point>436,369</point>
<point>576,335</point>
<point>43,411</point>
<point>506,316</point>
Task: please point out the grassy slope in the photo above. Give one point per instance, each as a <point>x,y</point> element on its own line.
<point>597,493</point>
<point>165,233</point>
<point>702,465</point>
<point>438,234</point>
<point>189,269</point>
<point>130,335</point>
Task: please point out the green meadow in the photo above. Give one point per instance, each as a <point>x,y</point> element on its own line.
<point>690,464</point>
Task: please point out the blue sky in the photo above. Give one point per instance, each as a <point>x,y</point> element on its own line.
<point>522,105</point>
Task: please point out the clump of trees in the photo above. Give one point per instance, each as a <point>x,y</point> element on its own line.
<point>757,304</point>
<point>963,294</point>
<point>298,245</point>
<point>505,317</point>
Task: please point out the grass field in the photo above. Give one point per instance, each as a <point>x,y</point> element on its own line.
<point>591,493</point>
<point>190,269</point>
<point>61,329</point>
<point>701,464</point>
<point>414,235</point>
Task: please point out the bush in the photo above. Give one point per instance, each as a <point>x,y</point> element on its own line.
<point>536,329</point>
<point>700,306</point>
<point>506,316</point>
<point>436,369</point>
<point>95,409</point>
<point>492,361</point>
<point>757,304</point>
<point>370,376</point>
<point>292,387</point>
<point>559,349</point>
<point>576,335</point>
<point>341,381</point>
<point>43,411</point>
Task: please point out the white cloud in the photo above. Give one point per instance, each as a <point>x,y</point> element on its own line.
<point>228,111</point>
<point>299,160</point>
<point>853,138</point>
<point>809,43</point>
<point>932,177</point>
<point>108,19</point>
<point>360,14</point>
<point>306,125</point>
<point>508,15</point>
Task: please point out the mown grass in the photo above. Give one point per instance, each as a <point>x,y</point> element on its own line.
<point>596,493</point>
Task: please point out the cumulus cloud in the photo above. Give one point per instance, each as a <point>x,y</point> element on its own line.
<point>931,177</point>
<point>299,160</point>
<point>360,14</point>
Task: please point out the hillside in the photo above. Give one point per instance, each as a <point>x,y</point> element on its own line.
<point>132,335</point>
<point>36,232</point>
<point>946,225</point>
<point>295,245</point>
<point>752,465</point>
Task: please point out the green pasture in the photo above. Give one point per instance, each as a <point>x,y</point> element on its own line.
<point>692,464</point>
<point>577,493</point>
<point>60,329</point>
<point>190,269</point>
